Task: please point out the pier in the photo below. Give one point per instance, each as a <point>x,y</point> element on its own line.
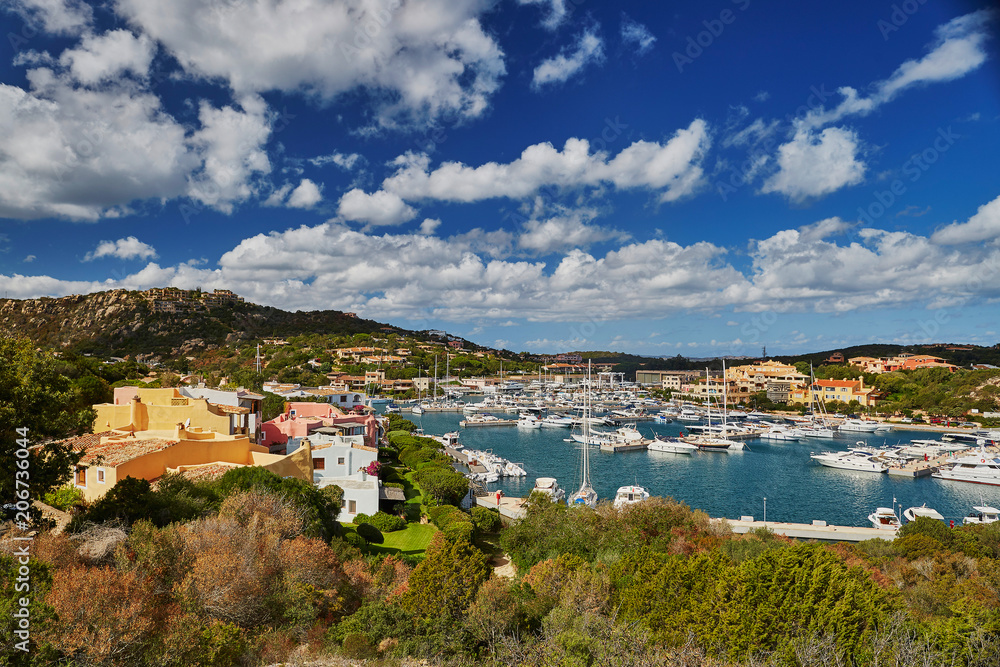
<point>465,423</point>
<point>817,530</point>
<point>510,508</point>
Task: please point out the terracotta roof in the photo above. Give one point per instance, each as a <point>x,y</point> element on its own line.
<point>231,409</point>
<point>115,452</point>
<point>207,472</point>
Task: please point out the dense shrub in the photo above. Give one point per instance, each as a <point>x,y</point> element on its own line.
<point>356,645</point>
<point>355,541</point>
<point>446,581</point>
<point>445,484</point>
<point>64,498</point>
<point>370,533</point>
<point>387,523</point>
<point>486,520</point>
<point>459,531</point>
<point>360,517</point>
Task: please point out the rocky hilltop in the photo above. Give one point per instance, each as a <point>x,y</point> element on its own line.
<point>121,322</point>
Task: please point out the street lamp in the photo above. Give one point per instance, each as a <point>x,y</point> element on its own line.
<point>765,509</point>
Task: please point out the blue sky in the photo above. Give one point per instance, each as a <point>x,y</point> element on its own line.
<point>543,175</point>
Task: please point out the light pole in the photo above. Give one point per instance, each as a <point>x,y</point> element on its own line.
<point>765,509</point>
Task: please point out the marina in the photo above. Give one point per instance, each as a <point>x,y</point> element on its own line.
<point>734,483</point>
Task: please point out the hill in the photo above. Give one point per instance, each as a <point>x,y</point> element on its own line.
<point>123,322</point>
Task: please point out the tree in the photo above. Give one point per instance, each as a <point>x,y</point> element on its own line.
<point>36,397</point>
<point>447,580</point>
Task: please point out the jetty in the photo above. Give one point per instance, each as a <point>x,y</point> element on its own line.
<point>817,530</point>
<point>511,508</point>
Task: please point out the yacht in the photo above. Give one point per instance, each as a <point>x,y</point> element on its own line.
<point>982,514</point>
<point>557,421</point>
<point>781,433</point>
<point>884,518</point>
<point>662,419</point>
<point>529,421</point>
<point>548,486</point>
<point>629,495</point>
<point>688,415</point>
<point>859,425</point>
<point>913,513</point>
<point>816,431</point>
<point>853,459</point>
<point>979,468</point>
<point>417,409</point>
<point>628,433</point>
<point>586,495</point>
<point>671,446</point>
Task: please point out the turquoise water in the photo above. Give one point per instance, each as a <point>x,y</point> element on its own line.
<point>724,484</point>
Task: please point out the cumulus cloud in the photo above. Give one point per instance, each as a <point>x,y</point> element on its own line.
<point>815,164</point>
<point>636,35</point>
<point>59,17</point>
<point>103,57</point>
<point>588,50</point>
<point>420,60</point>
<point>673,168</point>
<point>376,209</point>
<point>345,161</point>
<point>127,248</point>
<point>983,226</point>
<point>306,195</point>
<point>563,232</point>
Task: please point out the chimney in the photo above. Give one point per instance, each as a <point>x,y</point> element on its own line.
<point>133,413</point>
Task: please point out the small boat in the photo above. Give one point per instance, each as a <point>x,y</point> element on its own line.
<point>859,425</point>
<point>529,421</point>
<point>417,409</point>
<point>688,415</point>
<point>981,514</point>
<point>781,433</point>
<point>857,458</point>
<point>629,495</point>
<point>662,419</point>
<point>671,446</point>
<point>884,518</point>
<point>557,421</point>
<point>548,486</point>
<point>913,513</point>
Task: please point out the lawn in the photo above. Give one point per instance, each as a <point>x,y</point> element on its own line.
<point>412,540</point>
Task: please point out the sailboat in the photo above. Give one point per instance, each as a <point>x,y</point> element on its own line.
<point>820,429</point>
<point>722,443</point>
<point>586,495</point>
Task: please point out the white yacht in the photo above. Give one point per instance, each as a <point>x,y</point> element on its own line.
<point>982,514</point>
<point>671,446</point>
<point>913,513</point>
<point>781,433</point>
<point>859,425</point>
<point>586,495</point>
<point>816,431</point>
<point>557,421</point>
<point>979,468</point>
<point>628,433</point>
<point>529,421</point>
<point>884,518</point>
<point>689,415</point>
<point>417,409</point>
<point>548,486</point>
<point>853,459</point>
<point>628,495</point>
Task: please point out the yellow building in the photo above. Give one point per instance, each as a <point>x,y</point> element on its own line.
<point>825,391</point>
<point>113,455</point>
<point>752,378</point>
<point>140,409</point>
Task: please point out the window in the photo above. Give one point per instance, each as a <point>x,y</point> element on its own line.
<point>81,476</point>
<point>291,413</point>
<point>352,506</point>
<point>343,398</point>
<point>340,460</point>
<point>100,475</point>
<point>319,464</point>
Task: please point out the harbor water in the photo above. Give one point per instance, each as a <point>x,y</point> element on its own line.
<point>724,484</point>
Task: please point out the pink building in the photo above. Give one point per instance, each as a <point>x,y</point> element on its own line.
<point>302,418</point>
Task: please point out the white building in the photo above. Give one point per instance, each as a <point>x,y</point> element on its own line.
<point>340,460</point>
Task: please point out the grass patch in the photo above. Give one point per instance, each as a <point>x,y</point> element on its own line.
<point>411,541</point>
<point>413,506</point>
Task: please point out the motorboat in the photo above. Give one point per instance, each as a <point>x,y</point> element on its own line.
<point>861,459</point>
<point>816,431</point>
<point>981,514</point>
<point>628,433</point>
<point>417,409</point>
<point>671,446</point>
<point>529,421</point>
<point>913,513</point>
<point>557,421</point>
<point>662,419</point>
<point>688,415</point>
<point>629,495</point>
<point>549,487</point>
<point>781,433</point>
<point>884,518</point>
<point>978,468</point>
<point>859,425</point>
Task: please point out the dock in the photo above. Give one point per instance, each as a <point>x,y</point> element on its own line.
<point>817,530</point>
<point>465,423</point>
<point>510,507</point>
<point>463,458</point>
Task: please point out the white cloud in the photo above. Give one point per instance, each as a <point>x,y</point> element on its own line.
<point>589,50</point>
<point>564,232</point>
<point>61,17</point>
<point>342,160</point>
<point>29,259</point>
<point>958,49</point>
<point>127,248</point>
<point>231,142</point>
<point>429,225</point>
<point>99,58</point>
<point>674,168</point>
<point>816,164</point>
<point>762,96</point>
<point>983,226</point>
<point>420,60</point>
<point>306,195</point>
<point>557,11</point>
<point>636,35</point>
<point>376,209</point>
